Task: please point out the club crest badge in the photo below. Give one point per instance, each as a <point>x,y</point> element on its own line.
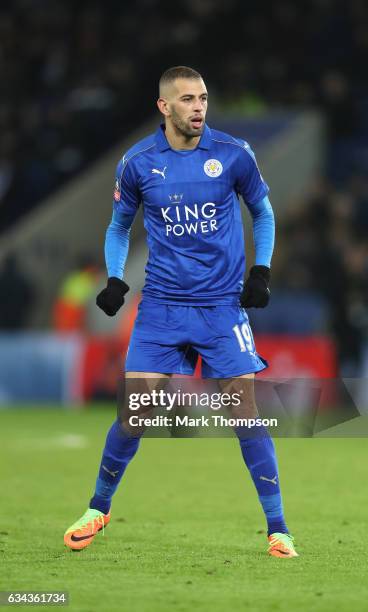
<point>213,167</point>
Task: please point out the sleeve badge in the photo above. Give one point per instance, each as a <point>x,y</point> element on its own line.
<point>117,192</point>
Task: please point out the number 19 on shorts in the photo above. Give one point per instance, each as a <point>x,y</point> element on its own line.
<point>244,336</point>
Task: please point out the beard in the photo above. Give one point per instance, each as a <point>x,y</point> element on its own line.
<point>185,127</point>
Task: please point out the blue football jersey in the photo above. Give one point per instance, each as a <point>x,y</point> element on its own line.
<point>191,210</point>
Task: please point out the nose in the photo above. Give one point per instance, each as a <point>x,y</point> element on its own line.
<point>199,105</point>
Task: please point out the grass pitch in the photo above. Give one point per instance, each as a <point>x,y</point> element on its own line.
<point>187,532</point>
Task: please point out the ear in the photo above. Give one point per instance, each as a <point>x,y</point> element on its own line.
<point>163,106</point>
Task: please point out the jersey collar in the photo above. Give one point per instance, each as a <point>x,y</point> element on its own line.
<point>163,145</point>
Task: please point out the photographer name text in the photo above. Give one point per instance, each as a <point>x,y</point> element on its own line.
<point>215,420</point>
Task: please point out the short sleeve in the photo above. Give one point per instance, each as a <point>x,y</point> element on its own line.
<point>126,198</point>
<point>250,183</point>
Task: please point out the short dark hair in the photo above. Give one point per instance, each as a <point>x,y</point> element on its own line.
<point>178,72</point>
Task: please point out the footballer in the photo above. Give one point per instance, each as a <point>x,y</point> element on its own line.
<point>188,178</point>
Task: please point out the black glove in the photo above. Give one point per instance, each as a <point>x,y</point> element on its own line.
<point>112,297</point>
<point>255,291</point>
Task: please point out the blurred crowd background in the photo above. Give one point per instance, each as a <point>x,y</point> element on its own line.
<point>77,78</point>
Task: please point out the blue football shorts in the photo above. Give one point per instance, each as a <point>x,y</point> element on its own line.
<point>167,339</point>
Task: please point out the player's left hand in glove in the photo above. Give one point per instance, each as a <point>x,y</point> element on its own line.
<point>256,293</point>
<point>112,297</point>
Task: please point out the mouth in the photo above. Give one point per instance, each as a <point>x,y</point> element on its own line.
<point>196,122</point>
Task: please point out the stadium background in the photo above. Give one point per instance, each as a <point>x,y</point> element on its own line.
<point>79,84</point>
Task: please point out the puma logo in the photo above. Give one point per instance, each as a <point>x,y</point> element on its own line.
<point>162,172</point>
<point>273,480</point>
<point>113,474</point>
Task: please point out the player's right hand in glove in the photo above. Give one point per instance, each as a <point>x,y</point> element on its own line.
<point>112,297</point>
<point>256,293</point>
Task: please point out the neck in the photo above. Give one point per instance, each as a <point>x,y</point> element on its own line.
<point>178,140</point>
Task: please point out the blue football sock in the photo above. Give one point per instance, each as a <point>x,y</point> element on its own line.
<point>119,450</point>
<point>260,458</point>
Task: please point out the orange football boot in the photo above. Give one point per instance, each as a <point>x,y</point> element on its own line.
<point>81,533</point>
<point>281,545</point>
